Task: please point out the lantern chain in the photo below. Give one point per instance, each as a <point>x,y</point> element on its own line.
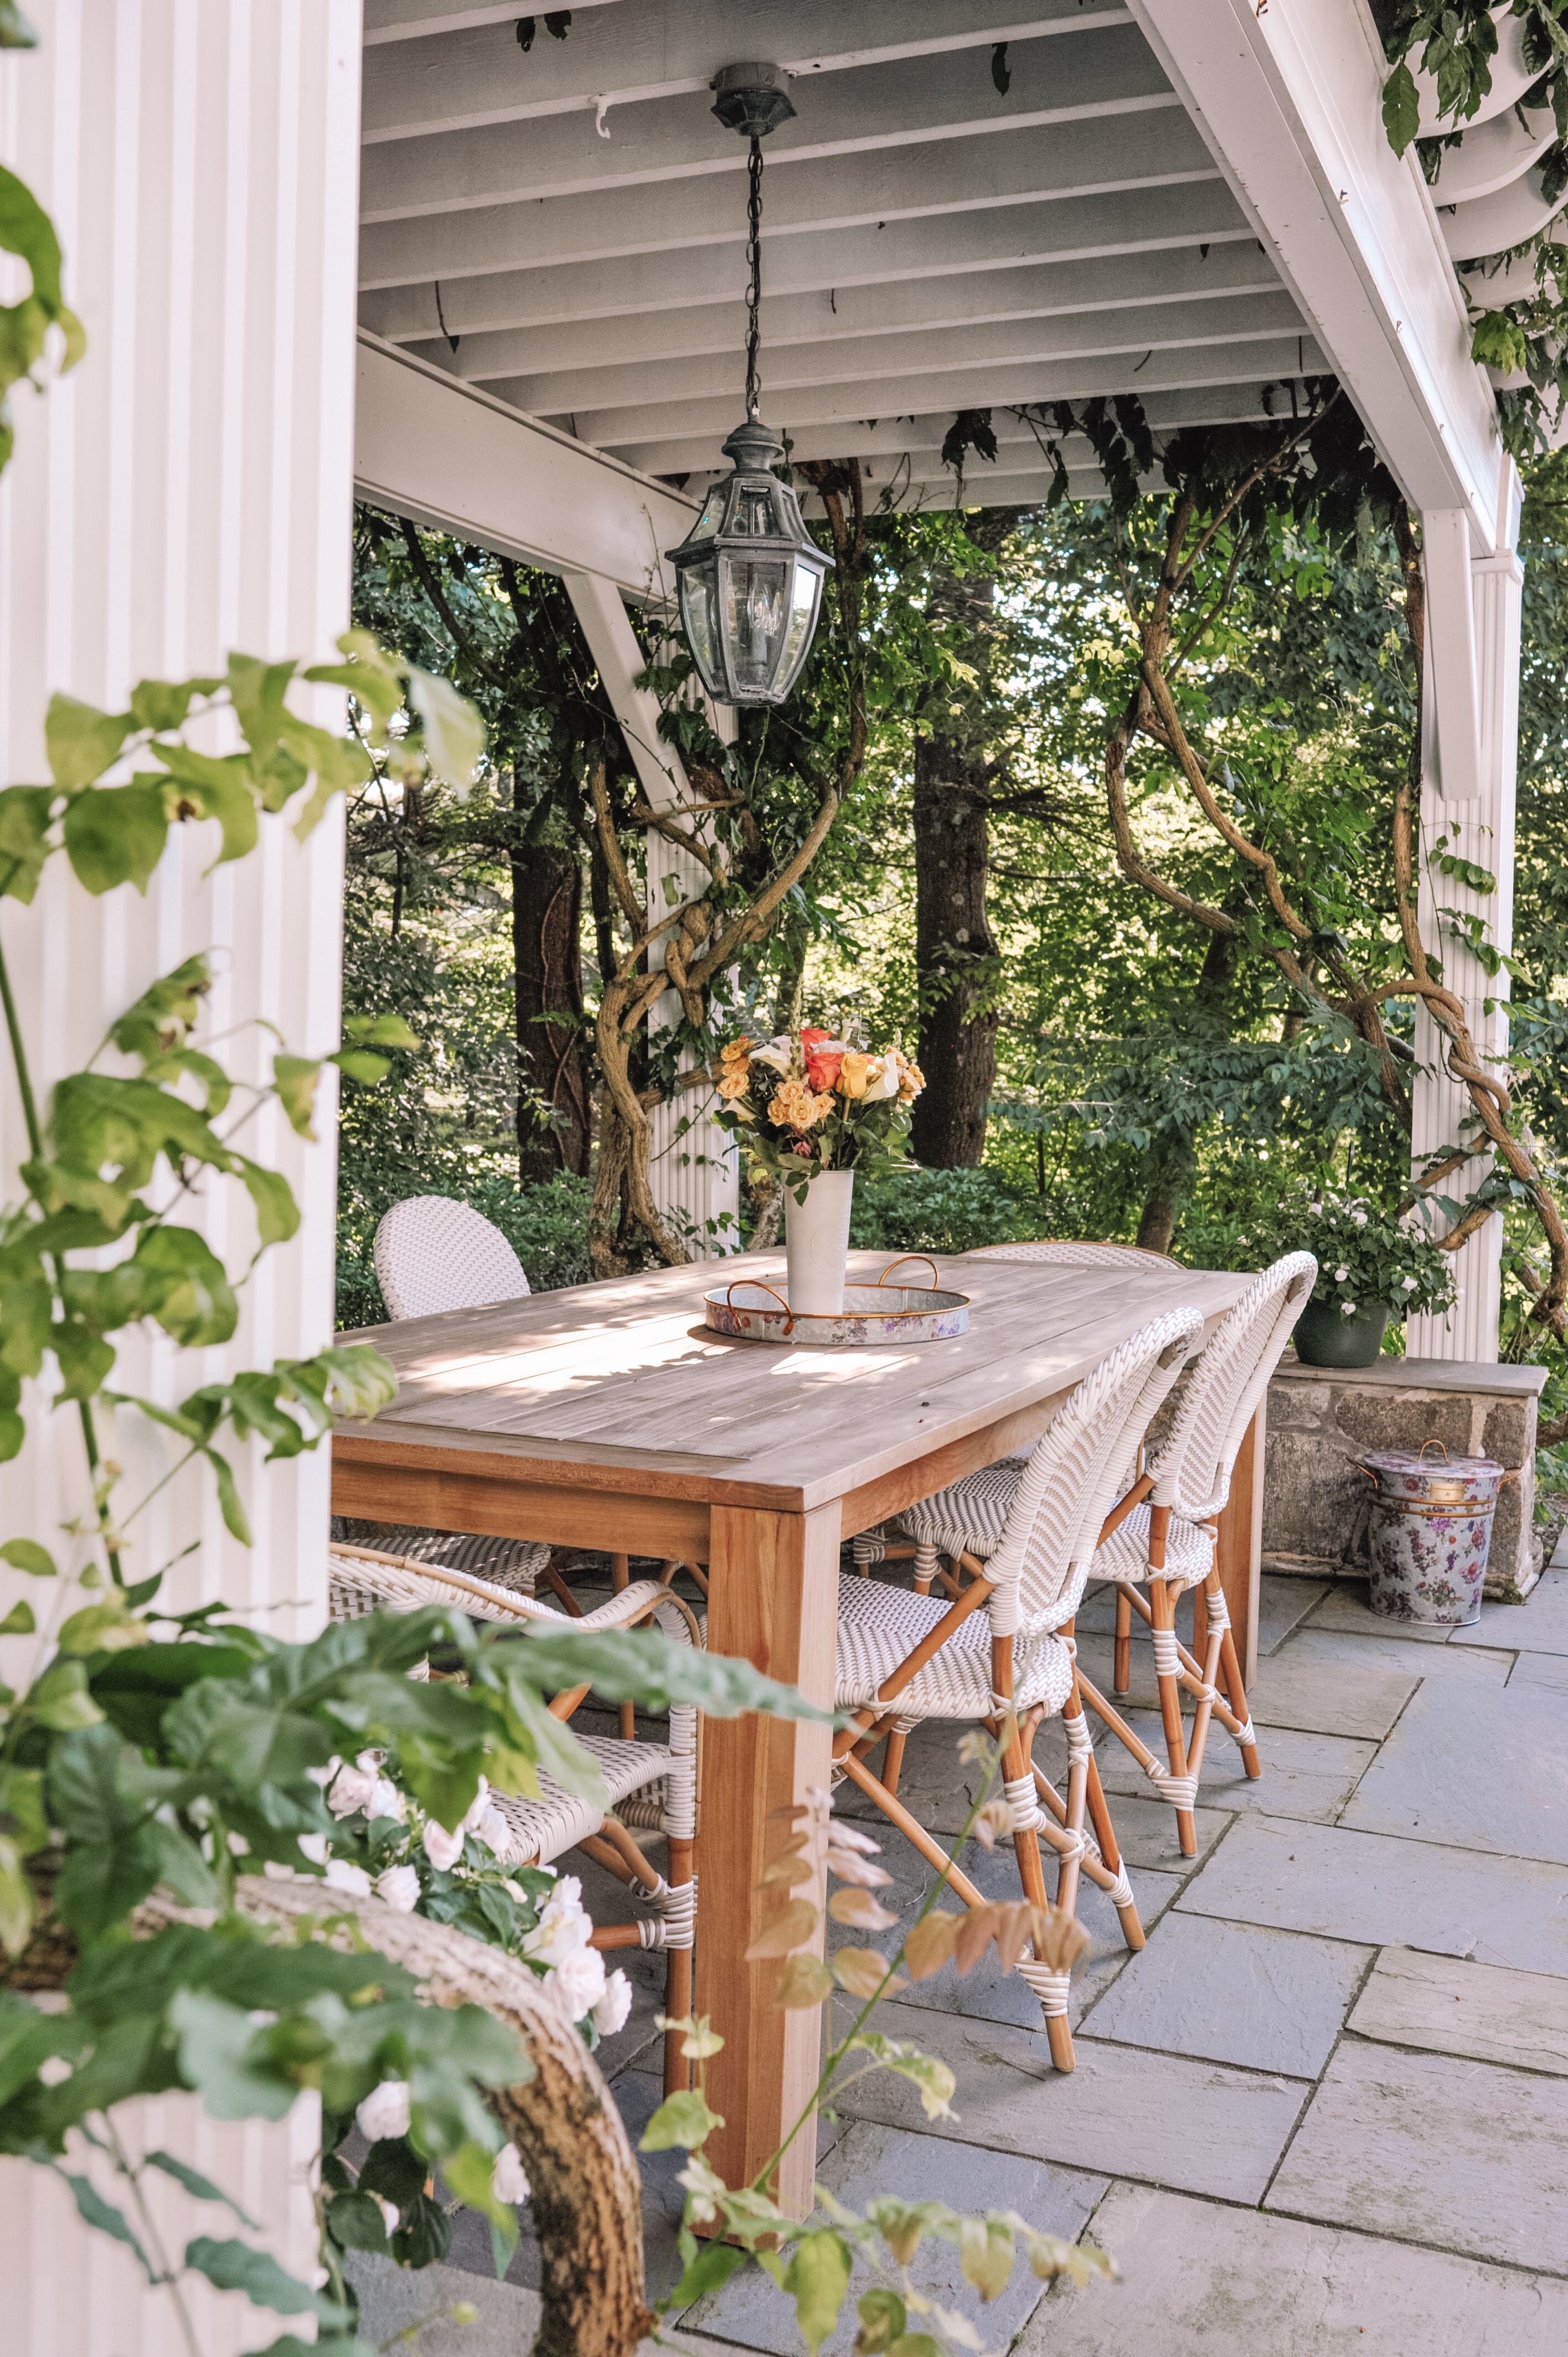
<point>754,296</point>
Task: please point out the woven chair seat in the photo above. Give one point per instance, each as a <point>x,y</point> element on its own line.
<point>501,1563</point>
<point>880,1627</point>
<point>542,1828</point>
<point>1189,1551</point>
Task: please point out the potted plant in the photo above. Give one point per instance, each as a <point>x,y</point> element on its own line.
<point>1373,1268</point>
<point>814,1110</point>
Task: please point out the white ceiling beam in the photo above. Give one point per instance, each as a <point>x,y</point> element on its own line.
<point>883,445</point>
<point>1098,231</point>
<point>1290,100</point>
<point>1074,290</point>
<point>448,456</point>
<point>1103,73</point>
<point>671,48</point>
<point>1275,357</point>
<point>415,20</point>
<point>1135,333</point>
<point>1081,160</point>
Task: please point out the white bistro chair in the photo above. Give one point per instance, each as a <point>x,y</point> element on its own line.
<point>906,1658</point>
<point>431,1254</point>
<point>650,1786</point>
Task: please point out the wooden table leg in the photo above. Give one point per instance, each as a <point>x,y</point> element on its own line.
<point>1240,1551</point>
<point>773,1599</point>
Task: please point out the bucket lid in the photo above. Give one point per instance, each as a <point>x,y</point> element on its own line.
<point>1427,1462</point>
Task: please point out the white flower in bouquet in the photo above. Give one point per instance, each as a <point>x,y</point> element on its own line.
<point>494,1831</point>
<point>777,1053</point>
<point>612,2010</point>
<point>384,2112</point>
<point>883,1080</point>
<point>385,1800</point>
<point>351,1788</point>
<point>342,1874</point>
<point>509,2179</point>
<point>578,1983</point>
<point>1360,1218</point>
<point>563,1928</point>
<point>399,1886</point>
<point>442,1848</point>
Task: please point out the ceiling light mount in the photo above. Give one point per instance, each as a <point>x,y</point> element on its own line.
<point>752,99</point>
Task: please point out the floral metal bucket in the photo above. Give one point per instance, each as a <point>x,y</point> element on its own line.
<point>1431,1533</point>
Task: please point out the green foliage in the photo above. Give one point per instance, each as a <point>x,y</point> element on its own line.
<point>1367,1256</point>
<point>940,1211</point>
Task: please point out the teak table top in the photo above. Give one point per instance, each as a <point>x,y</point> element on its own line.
<point>620,1386</point>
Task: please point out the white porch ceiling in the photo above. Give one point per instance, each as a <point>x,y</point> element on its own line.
<point>564,228</point>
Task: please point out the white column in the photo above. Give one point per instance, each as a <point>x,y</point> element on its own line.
<point>1471,737</point>
<point>694,1168</point>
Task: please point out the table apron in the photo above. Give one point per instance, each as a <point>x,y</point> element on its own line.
<point>452,1498</point>
<point>889,1493</point>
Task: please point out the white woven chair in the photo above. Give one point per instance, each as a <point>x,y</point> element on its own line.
<point>652,1785</point>
<point>431,1254</point>
<point>904,1658</point>
<point>1166,1537</point>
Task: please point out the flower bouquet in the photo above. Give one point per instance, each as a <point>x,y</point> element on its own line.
<point>814,1110</point>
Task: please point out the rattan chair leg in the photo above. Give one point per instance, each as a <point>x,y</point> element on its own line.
<point>927,1563</point>
<point>1121,1667</point>
<point>892,1758</point>
<point>1162,1602</point>
<point>914,1833</point>
<point>559,1590</point>
<point>1236,1687</point>
<point>603,1855</point>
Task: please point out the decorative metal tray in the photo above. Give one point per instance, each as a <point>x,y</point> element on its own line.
<point>749,1311</point>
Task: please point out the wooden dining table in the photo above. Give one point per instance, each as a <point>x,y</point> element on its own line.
<point>608,1416</point>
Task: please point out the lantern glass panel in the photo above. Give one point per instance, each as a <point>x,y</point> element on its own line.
<point>712,512</point>
<point>700,613</point>
<point>807,593</point>
<point>756,614</point>
<point>752,513</point>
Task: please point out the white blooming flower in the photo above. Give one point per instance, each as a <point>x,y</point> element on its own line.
<point>1340,1275</point>
<point>385,1800</point>
<point>388,2212</point>
<point>883,1081</point>
<point>323,1776</point>
<point>493,1830</point>
<point>1409,1284</point>
<point>477,1807</point>
<point>578,1983</point>
<point>442,1848</point>
<point>1347,1310</point>
<point>515,1891</point>
<point>384,2112</point>
<point>1360,1218</point>
<point>564,1927</point>
<point>343,1875</point>
<point>399,1886</point>
<point>775,1054</point>
<point>611,2011</point>
<point>54,2070</point>
<point>314,1846</point>
<point>509,2179</point>
<point>350,1789</point>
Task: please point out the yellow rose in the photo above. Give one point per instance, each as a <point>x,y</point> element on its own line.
<point>734,1051</point>
<point>853,1074</point>
<point>733,1081</point>
<point>794,1106</point>
<point>911,1080</point>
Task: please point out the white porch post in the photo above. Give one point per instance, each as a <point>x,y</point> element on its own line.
<point>693,1168</point>
<point>186,490</point>
<point>1471,738</point>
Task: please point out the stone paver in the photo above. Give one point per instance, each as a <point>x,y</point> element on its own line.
<point>1346,1608</point>
<point>872,2160</point>
<point>1193,2124</point>
<point>1309,1776</point>
<point>1234,1993</point>
<point>1476,1771</point>
<point>1436,2149</point>
<point>1282,1603</point>
<point>391,2299</point>
<point>1549,1670</point>
<point>1312,1644</point>
<point>1328,1699</point>
<point>1200,2281</point>
<point>1540,1622</point>
<point>1146,1831</point>
<point>1365,1886</point>
<point>1453,2008</point>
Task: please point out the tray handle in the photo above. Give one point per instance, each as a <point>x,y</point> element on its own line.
<point>923,1258</point>
<point>779,1298</point>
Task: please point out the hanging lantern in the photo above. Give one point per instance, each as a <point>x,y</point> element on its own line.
<point>750,575</point>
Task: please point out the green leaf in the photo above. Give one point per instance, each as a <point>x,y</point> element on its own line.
<point>101,1881</point>
<point>355,2222</point>
<point>883,2318</point>
<point>61,1699</point>
<point>370,674</point>
<point>379,1031</point>
<point>115,834</point>
<point>258,690</point>
<point>1401,108</point>
<point>932,2079</point>
<point>18,1622</point>
<point>712,2265</point>
<point>468,2172</point>
<point>277,1213</point>
<point>162,704</point>
<point>106,1628</point>
<point>986,2255</point>
<point>295,1079</point>
<point>454,732</point>
<point>682,2119</point>
<point>181,1865</point>
<point>16,1906</point>
<point>85,1359</point>
<point>817,2277</point>
<point>223,789</point>
<point>361,1065</point>
<point>215,2041</point>
<point>1497,340</point>
<point>81,740</point>
<point>95,2212</point>
<point>24,839</point>
<point>646,1666</point>
<point>230,1506</point>
<point>198,1307</point>
<point>27,1555</point>
<point>201,2188</point>
<point>234,2265</point>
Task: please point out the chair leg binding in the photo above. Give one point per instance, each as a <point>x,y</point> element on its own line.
<point>675,1925</point>
<point>1051,1988</point>
<point>1181,1792</point>
<point>868,1548</point>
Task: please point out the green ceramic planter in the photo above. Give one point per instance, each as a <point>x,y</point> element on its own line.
<point>1324,1337</point>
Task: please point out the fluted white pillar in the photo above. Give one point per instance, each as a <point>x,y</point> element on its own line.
<point>1467,811</point>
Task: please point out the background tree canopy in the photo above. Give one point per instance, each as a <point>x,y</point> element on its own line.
<point>1099,1062</point>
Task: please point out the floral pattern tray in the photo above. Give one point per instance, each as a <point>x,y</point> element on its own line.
<point>750,1310</point>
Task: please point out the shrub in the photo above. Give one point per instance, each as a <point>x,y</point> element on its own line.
<point>941,1212</point>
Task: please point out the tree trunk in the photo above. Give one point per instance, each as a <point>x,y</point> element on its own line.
<point>954,955</point>
<point>552,1122</point>
<point>1173,1164</point>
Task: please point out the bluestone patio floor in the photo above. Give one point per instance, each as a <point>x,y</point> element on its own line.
<point>1324,2110</point>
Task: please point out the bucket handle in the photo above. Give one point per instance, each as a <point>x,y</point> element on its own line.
<point>923,1258</point>
<point>1434,1444</point>
<point>779,1298</point>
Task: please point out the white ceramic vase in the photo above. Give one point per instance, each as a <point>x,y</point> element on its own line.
<point>816,1241</point>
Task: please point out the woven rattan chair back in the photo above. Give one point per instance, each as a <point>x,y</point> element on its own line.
<point>1192,1468</point>
<point>1067,1488</point>
<point>1064,1252</point>
<point>433,1254</point>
